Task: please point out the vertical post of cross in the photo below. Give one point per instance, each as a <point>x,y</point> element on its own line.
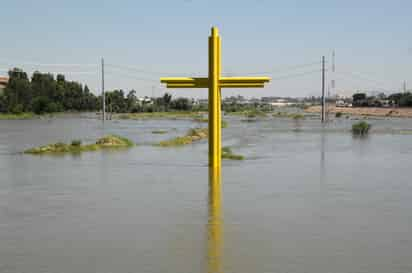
<point>215,129</point>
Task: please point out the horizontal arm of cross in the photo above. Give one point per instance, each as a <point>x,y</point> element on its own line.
<point>224,82</point>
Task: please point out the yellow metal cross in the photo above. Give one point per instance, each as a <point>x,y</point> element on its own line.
<point>215,82</point>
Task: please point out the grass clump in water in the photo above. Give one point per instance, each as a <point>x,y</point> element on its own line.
<point>76,142</point>
<point>297,116</point>
<point>288,115</point>
<point>255,114</point>
<point>110,141</point>
<point>228,154</point>
<point>361,128</point>
<point>159,132</point>
<point>159,115</point>
<point>191,136</point>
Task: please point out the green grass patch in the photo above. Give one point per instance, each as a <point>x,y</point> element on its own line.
<point>361,128</point>
<point>110,141</point>
<point>9,116</point>
<point>191,136</point>
<point>76,142</point>
<point>228,154</point>
<point>159,132</point>
<point>297,116</point>
<point>338,114</point>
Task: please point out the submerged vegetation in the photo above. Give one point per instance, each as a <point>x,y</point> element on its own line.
<point>159,132</point>
<point>110,141</point>
<point>160,115</point>
<point>191,136</point>
<point>288,115</point>
<point>361,128</point>
<point>251,113</point>
<point>228,154</point>
<point>297,116</point>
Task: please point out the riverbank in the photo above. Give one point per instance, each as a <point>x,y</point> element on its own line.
<point>8,116</point>
<point>365,111</point>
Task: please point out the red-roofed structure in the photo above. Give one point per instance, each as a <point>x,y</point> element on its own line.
<point>3,83</point>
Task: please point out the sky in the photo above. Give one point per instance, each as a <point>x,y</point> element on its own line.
<point>142,41</point>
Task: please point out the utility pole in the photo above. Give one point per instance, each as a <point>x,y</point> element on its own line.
<point>323,90</point>
<point>103,93</point>
<point>332,82</point>
<point>404,86</point>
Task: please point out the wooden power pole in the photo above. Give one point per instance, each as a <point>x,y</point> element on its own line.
<point>103,93</point>
<point>323,90</point>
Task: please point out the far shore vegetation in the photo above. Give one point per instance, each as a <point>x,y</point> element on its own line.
<point>76,146</point>
<point>11,116</point>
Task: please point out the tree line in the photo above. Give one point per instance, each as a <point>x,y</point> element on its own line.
<point>395,99</point>
<point>44,93</point>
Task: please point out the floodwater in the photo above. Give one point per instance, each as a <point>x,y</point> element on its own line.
<point>307,198</point>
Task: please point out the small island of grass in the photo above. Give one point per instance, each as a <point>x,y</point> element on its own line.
<point>159,132</point>
<point>110,141</point>
<point>361,128</point>
<point>191,136</point>
<point>295,116</point>
<point>228,154</point>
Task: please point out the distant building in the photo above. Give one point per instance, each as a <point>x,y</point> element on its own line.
<point>3,84</point>
<point>144,101</point>
<point>281,103</point>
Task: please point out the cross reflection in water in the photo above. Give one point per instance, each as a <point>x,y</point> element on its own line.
<point>215,224</point>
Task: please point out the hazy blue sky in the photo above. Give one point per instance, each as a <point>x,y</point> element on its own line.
<point>372,39</point>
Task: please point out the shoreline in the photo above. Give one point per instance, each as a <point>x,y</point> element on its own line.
<point>365,111</point>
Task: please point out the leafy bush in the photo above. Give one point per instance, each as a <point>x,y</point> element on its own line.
<point>361,128</point>
<point>17,109</point>
<point>40,105</point>
<point>52,107</point>
<point>338,114</point>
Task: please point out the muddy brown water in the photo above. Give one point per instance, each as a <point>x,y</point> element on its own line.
<point>307,198</point>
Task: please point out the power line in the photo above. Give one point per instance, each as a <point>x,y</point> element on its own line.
<point>284,68</point>
<point>296,75</point>
<point>135,69</point>
<point>360,77</point>
<point>132,77</point>
<point>369,85</point>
